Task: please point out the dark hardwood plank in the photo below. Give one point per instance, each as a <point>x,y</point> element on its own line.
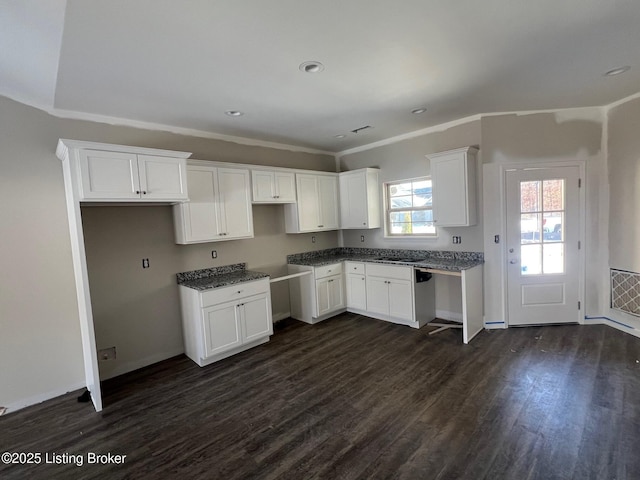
<point>357,398</point>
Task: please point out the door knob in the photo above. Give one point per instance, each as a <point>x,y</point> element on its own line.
<point>513,261</point>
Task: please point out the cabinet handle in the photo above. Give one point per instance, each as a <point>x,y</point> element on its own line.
<point>320,226</point>
<point>137,192</point>
<point>144,193</point>
<point>364,223</point>
<point>239,291</point>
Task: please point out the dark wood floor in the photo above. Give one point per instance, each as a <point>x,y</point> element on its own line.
<point>356,398</point>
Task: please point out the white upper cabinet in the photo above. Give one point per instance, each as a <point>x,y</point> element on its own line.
<point>359,199</point>
<point>453,175</point>
<point>272,186</point>
<point>120,176</point>
<point>317,206</point>
<point>219,206</point>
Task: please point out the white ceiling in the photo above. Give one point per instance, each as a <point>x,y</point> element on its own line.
<point>183,64</point>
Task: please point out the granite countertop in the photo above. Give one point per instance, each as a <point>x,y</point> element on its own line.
<point>437,260</point>
<point>209,278</point>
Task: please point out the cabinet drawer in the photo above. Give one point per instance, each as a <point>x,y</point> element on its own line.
<point>234,292</point>
<point>354,267</point>
<point>328,270</point>
<point>387,271</point>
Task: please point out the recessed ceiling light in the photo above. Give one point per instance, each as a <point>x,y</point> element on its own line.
<point>617,71</point>
<point>234,113</point>
<point>340,136</point>
<point>311,67</point>
<point>417,111</point>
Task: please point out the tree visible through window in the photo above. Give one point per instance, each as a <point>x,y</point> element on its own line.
<point>409,208</point>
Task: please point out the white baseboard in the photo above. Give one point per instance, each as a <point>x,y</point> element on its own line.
<point>623,327</point>
<point>280,316</point>
<point>137,364</point>
<point>497,325</point>
<point>41,397</point>
<point>451,316</point>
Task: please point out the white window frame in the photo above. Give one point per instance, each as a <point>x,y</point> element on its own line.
<point>388,210</point>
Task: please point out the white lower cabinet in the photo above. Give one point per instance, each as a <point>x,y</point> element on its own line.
<point>385,292</point>
<point>329,295</point>
<point>356,286</point>
<point>222,322</point>
<point>318,295</point>
<point>390,292</point>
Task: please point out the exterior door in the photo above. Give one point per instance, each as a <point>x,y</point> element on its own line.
<point>543,233</point>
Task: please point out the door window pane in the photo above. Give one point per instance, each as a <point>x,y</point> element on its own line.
<point>530,224</point>
<point>553,195</point>
<point>542,223</point>
<point>531,259</point>
<point>552,227</point>
<point>553,258</point>
<point>530,196</point>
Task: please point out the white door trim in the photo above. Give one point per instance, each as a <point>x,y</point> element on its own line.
<point>581,164</point>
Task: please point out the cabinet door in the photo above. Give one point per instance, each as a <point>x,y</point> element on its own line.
<point>198,220</point>
<point>400,300</point>
<point>263,186</point>
<point>328,199</point>
<point>353,201</point>
<point>222,330</point>
<point>285,183</point>
<point>377,295</point>
<point>256,318</point>
<point>454,188</point>
<point>162,178</point>
<point>308,203</point>
<point>336,293</point>
<point>356,291</point>
<point>323,297</point>
<point>235,203</point>
<point>108,175</point>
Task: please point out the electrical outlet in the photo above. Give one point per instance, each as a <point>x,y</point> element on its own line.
<point>214,254</point>
<point>107,353</point>
<point>362,238</point>
<point>456,239</point>
<point>145,263</point>
<point>313,239</point>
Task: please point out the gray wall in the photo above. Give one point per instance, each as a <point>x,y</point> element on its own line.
<point>39,322</point>
<point>544,138</point>
<point>624,173</point>
<point>624,204</point>
<point>407,159</point>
